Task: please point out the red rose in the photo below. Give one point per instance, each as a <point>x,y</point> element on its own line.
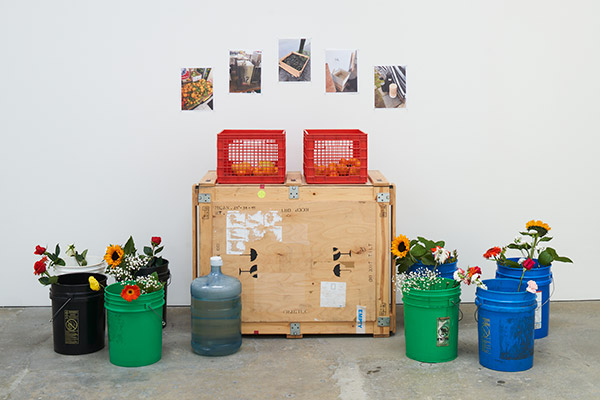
<point>40,266</point>
<point>493,252</point>
<point>528,264</point>
<point>155,240</point>
<point>39,250</point>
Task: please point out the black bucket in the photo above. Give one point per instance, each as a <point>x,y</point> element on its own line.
<point>78,316</point>
<point>163,276</point>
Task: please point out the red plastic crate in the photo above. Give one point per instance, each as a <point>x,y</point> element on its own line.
<point>251,156</point>
<point>325,151</point>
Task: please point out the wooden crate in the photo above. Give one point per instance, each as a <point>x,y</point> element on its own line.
<point>312,259</point>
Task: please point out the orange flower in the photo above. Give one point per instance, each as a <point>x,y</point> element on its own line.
<point>493,252</point>
<point>130,292</point>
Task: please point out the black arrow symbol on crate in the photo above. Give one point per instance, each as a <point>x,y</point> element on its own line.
<point>337,254</point>
<point>253,271</point>
<point>253,254</point>
<point>338,269</point>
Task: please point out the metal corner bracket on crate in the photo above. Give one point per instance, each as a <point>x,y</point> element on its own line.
<point>203,197</point>
<point>312,258</point>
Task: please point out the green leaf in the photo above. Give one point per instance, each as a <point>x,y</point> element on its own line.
<point>159,249</point>
<point>563,259</point>
<point>545,239</point>
<point>545,258</point>
<point>57,252</point>
<point>441,243</point>
<point>418,251</point>
<point>60,261</point>
<point>512,264</point>
<point>428,259</point>
<point>84,254</point>
<point>148,251</point>
<point>44,280</point>
<point>129,247</point>
<point>556,257</point>
<point>53,279</point>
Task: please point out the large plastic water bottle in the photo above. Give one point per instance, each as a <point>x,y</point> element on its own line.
<point>216,312</point>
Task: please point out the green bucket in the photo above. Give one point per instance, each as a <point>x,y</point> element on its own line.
<point>134,328</point>
<point>431,322</point>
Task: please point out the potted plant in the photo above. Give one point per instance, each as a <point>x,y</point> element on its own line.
<point>77,310</point>
<point>411,255</point>
<point>430,301</point>
<point>125,264</point>
<point>534,263</point>
<point>134,316</point>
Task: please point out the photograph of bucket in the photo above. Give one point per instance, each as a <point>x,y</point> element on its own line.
<point>390,86</point>
<point>341,71</point>
<point>245,71</point>
<point>294,60</point>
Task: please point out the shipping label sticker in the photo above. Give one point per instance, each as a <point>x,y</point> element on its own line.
<point>443,331</point>
<point>333,294</point>
<point>242,228</point>
<point>361,316</point>
<point>538,311</point>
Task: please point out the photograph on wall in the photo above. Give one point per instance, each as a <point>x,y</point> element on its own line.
<point>341,71</point>
<point>244,71</point>
<point>294,60</point>
<point>390,86</point>
<point>196,89</point>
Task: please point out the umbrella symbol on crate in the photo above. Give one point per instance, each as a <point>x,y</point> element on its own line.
<point>337,254</point>
<point>338,269</point>
<point>253,271</point>
<point>253,254</point>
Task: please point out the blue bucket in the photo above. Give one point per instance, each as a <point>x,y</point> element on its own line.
<point>543,278</point>
<point>445,270</point>
<point>505,325</point>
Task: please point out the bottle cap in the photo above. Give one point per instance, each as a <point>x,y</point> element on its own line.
<point>216,261</point>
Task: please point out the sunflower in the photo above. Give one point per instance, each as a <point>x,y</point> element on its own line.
<point>400,246</point>
<point>114,255</point>
<point>130,292</point>
<point>539,226</point>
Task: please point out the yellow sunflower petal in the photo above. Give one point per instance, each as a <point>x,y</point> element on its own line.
<point>400,246</point>
<point>114,255</point>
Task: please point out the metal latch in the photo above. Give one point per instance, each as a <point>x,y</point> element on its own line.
<point>294,328</point>
<point>203,197</point>
<point>294,192</point>
<point>383,197</point>
<point>383,321</point>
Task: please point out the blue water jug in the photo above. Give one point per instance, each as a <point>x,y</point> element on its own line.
<point>216,312</point>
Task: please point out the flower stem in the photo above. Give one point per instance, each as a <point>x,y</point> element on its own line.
<point>521,280</point>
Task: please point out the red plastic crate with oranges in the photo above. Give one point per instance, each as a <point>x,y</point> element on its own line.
<point>251,156</point>
<point>335,156</point>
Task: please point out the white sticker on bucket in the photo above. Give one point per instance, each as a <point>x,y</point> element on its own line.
<point>538,310</point>
<point>361,316</point>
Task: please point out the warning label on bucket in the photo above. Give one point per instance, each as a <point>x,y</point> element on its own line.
<point>71,326</point>
<point>538,311</point>
<point>443,331</point>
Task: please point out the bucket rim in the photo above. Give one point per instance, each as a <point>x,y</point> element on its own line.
<point>509,281</point>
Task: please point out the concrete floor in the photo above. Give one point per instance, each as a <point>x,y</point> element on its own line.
<point>566,365</point>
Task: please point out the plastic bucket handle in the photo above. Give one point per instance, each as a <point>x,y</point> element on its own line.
<point>60,309</point>
<point>161,318</point>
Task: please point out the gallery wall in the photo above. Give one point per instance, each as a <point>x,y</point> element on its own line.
<point>500,126</point>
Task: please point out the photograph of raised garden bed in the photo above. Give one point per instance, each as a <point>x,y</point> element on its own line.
<point>294,60</point>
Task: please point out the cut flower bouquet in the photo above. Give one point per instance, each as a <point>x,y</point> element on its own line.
<point>420,251</point>
<point>52,259</point>
<point>124,261</point>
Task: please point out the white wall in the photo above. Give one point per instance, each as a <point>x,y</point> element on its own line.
<point>501,125</point>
